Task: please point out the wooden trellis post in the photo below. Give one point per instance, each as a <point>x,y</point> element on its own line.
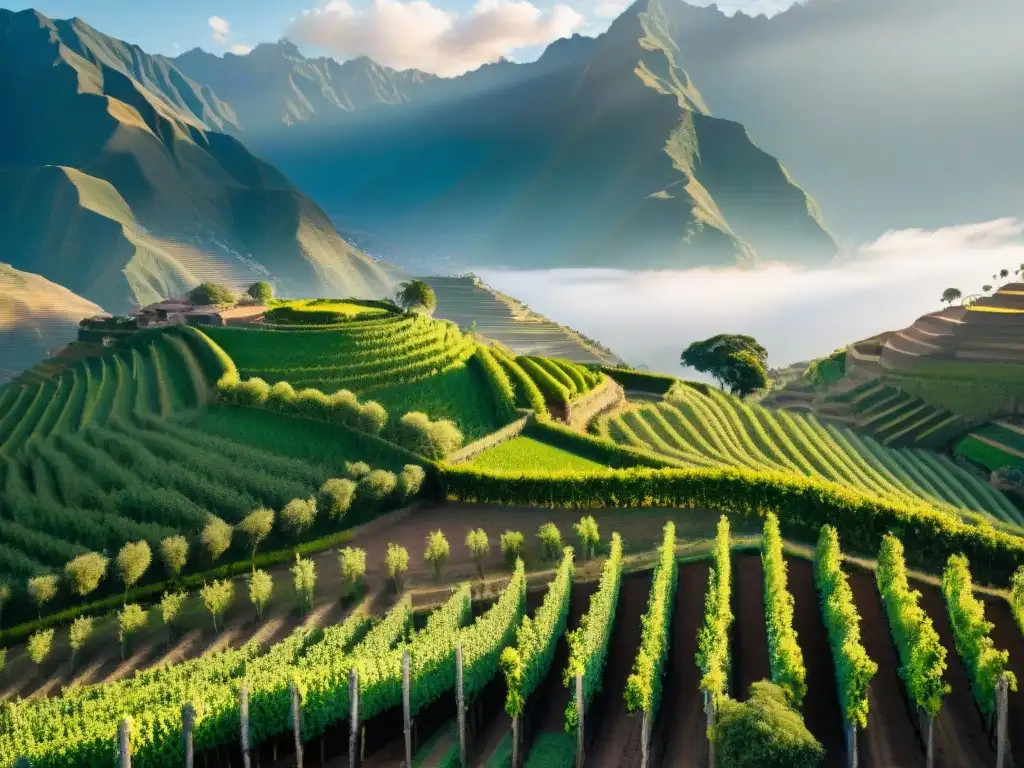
<point>406,708</point>
<point>579,723</point>
<point>645,739</point>
<point>243,711</point>
<point>928,732</point>
<point>709,711</point>
<point>852,758</point>
<point>1002,703</point>
<point>353,714</point>
<point>460,705</point>
<point>296,722</point>
<point>188,720</point>
<point>124,745</point>
<point>516,735</point>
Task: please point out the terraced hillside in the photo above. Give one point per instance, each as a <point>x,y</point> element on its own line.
<point>994,445</point>
<point>36,317</point>
<point>710,429</point>
<point>468,300</point>
<point>897,418</point>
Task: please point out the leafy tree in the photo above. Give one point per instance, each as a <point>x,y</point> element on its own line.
<point>261,587</point>
<point>479,546</point>
<point>261,291</point>
<point>1004,273</point>
<point>733,360</point>
<point>298,516</point>
<point>550,541</point>
<point>826,370</point>
<point>39,646</point>
<point>217,597</point>
<point>397,561</point>
<point>78,635</point>
<point>416,294</point>
<point>511,546</point>
<point>42,589</point>
<point>950,295</point>
<point>85,572</point>
<point>371,417</point>
<point>304,575</point>
<point>174,555</point>
<point>410,480</point>
<point>336,496</point>
<point>211,293</point>
<point>437,552</point>
<point>170,608</point>
<point>216,537</point>
<point>132,561</point>
<point>255,527</point>
<point>5,596</point>
<point>130,620</point>
<point>352,561</point>
<point>986,288</point>
<point>762,732</point>
<point>588,534</point>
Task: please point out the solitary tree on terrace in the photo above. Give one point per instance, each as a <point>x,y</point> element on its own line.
<point>397,561</point>
<point>437,552</point>
<point>42,589</point>
<point>352,561</point>
<point>511,546</point>
<point>261,291</point>
<point>550,541</point>
<point>216,537</point>
<point>132,562</point>
<point>589,535</point>
<point>170,606</point>
<point>39,646</point>
<point>130,620</point>
<point>255,528</point>
<point>479,547</point>
<point>174,555</point>
<point>217,596</point>
<point>85,572</point>
<point>261,587</point>
<point>950,295</point>
<point>733,360</point>
<point>415,294</point>
<point>78,635</point>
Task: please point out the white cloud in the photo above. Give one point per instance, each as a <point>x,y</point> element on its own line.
<point>241,50</point>
<point>419,35</point>
<point>221,28</point>
<point>611,10</point>
<point>649,316</point>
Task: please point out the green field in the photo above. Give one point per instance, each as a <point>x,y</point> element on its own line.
<point>526,454</point>
<point>715,430</point>
<point>994,445</point>
<point>898,418</point>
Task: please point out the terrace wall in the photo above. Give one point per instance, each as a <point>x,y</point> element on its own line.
<point>607,395</point>
<point>474,449</point>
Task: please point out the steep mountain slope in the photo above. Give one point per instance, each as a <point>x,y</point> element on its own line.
<point>602,151</point>
<point>36,317</point>
<point>114,185</point>
<point>895,113</point>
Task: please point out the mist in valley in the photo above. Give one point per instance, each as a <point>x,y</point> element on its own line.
<point>647,317</point>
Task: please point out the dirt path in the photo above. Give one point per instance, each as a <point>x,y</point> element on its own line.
<point>821,709</point>
<point>614,736</point>
<point>680,734</point>
<point>891,739</point>
<point>960,737</point>
<point>749,635</point>
<point>1007,636</point>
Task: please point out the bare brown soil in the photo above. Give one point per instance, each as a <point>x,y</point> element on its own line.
<point>1007,636</point>
<point>821,709</point>
<point>749,635</point>
<point>891,739</point>
<point>613,736</point>
<point>960,733</point>
<point>680,734</point>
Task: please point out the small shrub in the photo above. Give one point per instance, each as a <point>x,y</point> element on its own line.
<point>550,541</point>
<point>511,546</point>
<point>372,417</point>
<point>216,537</point>
<point>170,608</point>
<point>433,439</point>
<point>312,403</point>
<point>762,732</point>
<point>42,589</point>
<point>280,396</point>
<point>352,561</point>
<point>261,291</point>
<point>130,620</point>
<point>345,407</point>
<point>304,577</point>
<point>336,497</point>
<point>132,562</point>
<point>78,635</point>
<point>85,572</point>
<point>174,554</point>
<point>410,480</point>
<point>217,597</point>
<point>211,293</point>
<point>39,645</point>
<point>588,534</point>
<point>357,470</point>
<point>479,547</point>
<point>377,486</point>
<point>298,516</point>
<point>437,552</point>
<point>253,391</point>
<point>256,527</point>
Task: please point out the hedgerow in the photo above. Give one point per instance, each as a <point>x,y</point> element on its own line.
<point>558,373</point>
<point>643,687</point>
<point>553,390</point>
<point>642,381</point>
<point>528,395</point>
<point>920,649</point>
<point>713,657</point>
<point>501,385</point>
<point>803,505</point>
<point>483,641</point>
<point>854,668</point>
<point>588,643</point>
<point>527,662</point>
<point>784,655</point>
<point>984,663</point>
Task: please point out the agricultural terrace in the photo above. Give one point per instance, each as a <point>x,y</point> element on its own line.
<point>643,642</point>
<point>897,418</point>
<point>323,311</point>
<point>470,303</point>
<point>994,445</point>
<point>700,427</point>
